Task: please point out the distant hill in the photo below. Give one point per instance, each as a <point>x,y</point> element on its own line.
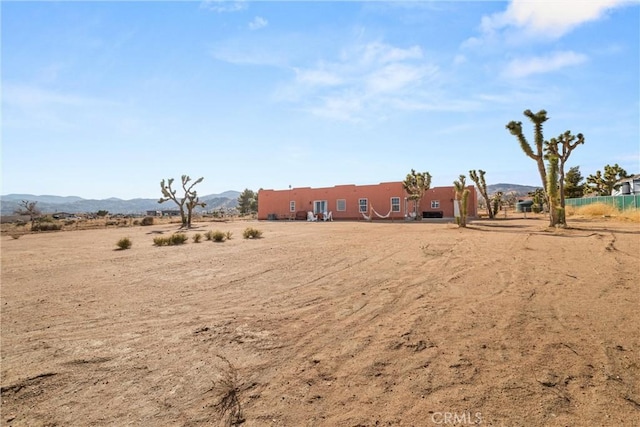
<point>73,204</point>
<point>519,190</point>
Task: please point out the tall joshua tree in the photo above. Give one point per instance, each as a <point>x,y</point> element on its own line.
<point>478,178</point>
<point>416,184</point>
<point>462,196</point>
<point>189,201</point>
<point>558,150</point>
<point>538,155</point>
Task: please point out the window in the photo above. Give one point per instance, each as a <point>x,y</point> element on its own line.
<point>435,204</point>
<point>319,206</point>
<point>341,205</point>
<point>395,204</point>
<point>363,205</point>
<point>292,206</point>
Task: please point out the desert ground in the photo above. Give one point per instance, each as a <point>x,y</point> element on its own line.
<point>505,323</point>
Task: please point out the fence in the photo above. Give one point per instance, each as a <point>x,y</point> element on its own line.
<point>619,202</point>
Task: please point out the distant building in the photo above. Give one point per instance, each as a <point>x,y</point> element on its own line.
<point>387,200</point>
<point>627,186</point>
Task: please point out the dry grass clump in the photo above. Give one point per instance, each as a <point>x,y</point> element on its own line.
<point>604,210</point>
<point>124,243</point>
<point>174,239</point>
<point>251,233</point>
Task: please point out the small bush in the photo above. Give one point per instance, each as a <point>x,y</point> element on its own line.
<point>46,226</point>
<point>174,239</point>
<point>218,236</point>
<point>161,241</point>
<point>147,220</point>
<point>124,243</point>
<point>228,235</point>
<point>136,222</point>
<point>208,235</point>
<point>16,236</point>
<point>197,238</point>
<point>178,239</point>
<point>251,233</point>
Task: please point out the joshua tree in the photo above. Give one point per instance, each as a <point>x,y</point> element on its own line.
<point>190,199</point>
<point>496,200</point>
<point>26,207</point>
<point>538,199</point>
<point>478,178</point>
<point>556,152</point>
<point>560,149</point>
<point>603,184</point>
<point>538,155</point>
<point>462,196</point>
<point>416,184</point>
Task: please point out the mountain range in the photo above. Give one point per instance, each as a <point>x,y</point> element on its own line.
<point>74,204</point>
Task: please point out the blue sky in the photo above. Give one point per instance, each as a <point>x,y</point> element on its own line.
<point>105,99</point>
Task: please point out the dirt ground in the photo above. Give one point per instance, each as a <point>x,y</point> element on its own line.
<point>506,323</point>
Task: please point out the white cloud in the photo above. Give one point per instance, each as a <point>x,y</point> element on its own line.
<point>224,5</point>
<point>318,77</point>
<point>258,23</point>
<point>543,64</point>
<point>550,19</point>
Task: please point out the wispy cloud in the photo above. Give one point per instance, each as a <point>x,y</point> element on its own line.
<point>362,79</point>
<point>258,23</point>
<point>224,5</point>
<point>547,19</point>
<point>519,68</point>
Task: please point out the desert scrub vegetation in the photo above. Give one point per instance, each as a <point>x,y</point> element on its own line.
<point>251,233</point>
<point>217,236</point>
<point>197,238</point>
<point>124,243</point>
<point>46,226</point>
<point>173,240</point>
<point>603,210</point>
<point>147,220</point>
<point>228,389</point>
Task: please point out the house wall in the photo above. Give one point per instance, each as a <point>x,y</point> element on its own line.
<point>277,202</point>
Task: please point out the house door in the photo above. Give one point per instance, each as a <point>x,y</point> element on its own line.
<point>319,206</point>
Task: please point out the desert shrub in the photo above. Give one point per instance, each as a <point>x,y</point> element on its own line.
<point>208,235</point>
<point>136,222</point>
<point>124,243</point>
<point>251,233</point>
<point>46,226</point>
<point>161,241</point>
<point>178,239</point>
<point>16,236</point>
<point>197,238</point>
<point>228,235</point>
<point>147,220</point>
<point>218,236</point>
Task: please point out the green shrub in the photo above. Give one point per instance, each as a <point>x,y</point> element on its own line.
<point>218,236</point>
<point>197,238</point>
<point>124,243</point>
<point>178,239</point>
<point>251,233</point>
<point>147,220</point>
<point>161,241</point>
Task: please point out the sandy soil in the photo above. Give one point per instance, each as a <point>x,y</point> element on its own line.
<point>506,323</point>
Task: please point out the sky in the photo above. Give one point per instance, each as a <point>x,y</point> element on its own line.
<point>106,99</point>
